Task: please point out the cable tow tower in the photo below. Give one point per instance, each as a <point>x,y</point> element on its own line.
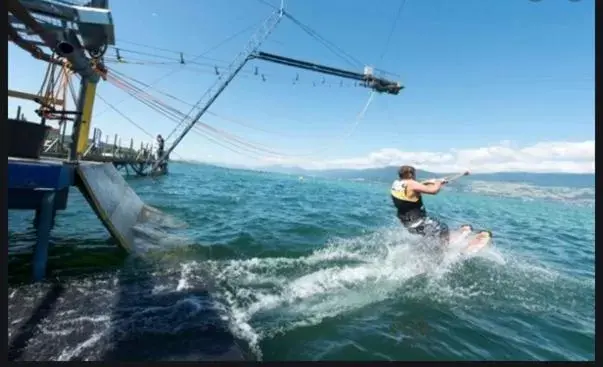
<point>251,51</point>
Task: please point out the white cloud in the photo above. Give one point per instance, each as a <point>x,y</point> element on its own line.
<point>569,157</point>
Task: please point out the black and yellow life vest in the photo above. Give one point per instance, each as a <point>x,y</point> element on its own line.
<point>410,207</point>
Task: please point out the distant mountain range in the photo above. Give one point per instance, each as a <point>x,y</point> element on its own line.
<point>388,174</point>
<point>384,174</point>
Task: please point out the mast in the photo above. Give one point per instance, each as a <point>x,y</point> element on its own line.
<point>237,64</point>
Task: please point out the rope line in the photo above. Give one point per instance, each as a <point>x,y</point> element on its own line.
<point>391,31</point>
<point>331,46</point>
<point>216,46</point>
<point>225,118</point>
<point>175,116</point>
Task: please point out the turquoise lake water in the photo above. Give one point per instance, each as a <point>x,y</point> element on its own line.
<point>314,269</point>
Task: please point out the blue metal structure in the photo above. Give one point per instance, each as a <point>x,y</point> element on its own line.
<point>78,35</point>
<point>43,186</point>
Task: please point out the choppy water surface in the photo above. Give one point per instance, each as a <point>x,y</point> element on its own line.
<point>312,269</point>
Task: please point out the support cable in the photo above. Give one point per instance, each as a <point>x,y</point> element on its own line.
<point>172,72</point>
<point>391,31</point>
<point>173,115</point>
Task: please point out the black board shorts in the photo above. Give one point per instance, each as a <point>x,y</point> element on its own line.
<point>428,227</point>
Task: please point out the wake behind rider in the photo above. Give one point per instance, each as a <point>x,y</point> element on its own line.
<point>406,194</point>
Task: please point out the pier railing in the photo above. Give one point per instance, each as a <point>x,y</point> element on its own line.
<point>57,145</point>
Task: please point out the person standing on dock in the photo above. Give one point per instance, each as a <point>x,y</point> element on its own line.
<point>160,146</point>
<point>160,151</point>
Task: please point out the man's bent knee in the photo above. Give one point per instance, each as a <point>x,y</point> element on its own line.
<point>443,233</point>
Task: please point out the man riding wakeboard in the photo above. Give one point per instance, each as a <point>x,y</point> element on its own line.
<point>406,194</point>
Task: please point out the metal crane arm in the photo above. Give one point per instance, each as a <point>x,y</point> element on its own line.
<point>254,43</point>
<point>380,85</point>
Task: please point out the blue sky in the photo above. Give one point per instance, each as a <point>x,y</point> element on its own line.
<point>505,85</point>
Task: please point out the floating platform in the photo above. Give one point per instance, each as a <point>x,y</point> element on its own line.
<point>43,185</point>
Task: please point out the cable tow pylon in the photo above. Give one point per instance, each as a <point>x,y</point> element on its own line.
<point>252,46</point>
<point>250,52</point>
